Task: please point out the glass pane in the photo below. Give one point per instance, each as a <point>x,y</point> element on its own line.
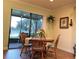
<point>15,27</point>
<point>39,24</point>
<point>36,23</point>
<point>33,22</point>
<point>25,25</point>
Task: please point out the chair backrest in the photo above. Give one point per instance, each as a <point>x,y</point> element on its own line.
<point>22,37</point>
<point>37,43</point>
<point>57,40</point>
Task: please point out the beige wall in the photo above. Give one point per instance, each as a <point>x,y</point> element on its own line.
<point>15,4</point>
<point>68,36</point>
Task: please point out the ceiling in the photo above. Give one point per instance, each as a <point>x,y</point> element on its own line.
<point>49,5</point>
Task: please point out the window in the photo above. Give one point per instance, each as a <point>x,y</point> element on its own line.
<point>24,22</point>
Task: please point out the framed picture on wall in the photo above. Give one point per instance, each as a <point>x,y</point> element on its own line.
<point>64,22</point>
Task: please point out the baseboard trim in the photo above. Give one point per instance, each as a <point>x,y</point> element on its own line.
<point>66,50</point>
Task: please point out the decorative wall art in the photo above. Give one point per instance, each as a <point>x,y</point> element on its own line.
<point>64,22</point>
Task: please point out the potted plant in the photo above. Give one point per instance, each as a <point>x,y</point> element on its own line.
<point>41,33</point>
<point>50,18</point>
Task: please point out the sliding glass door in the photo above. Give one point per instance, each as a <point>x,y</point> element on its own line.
<point>23,22</point>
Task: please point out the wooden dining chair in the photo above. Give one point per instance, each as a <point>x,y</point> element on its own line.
<point>37,46</point>
<point>22,39</point>
<point>52,48</point>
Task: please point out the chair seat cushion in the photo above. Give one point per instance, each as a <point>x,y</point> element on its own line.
<point>27,44</point>
<point>49,45</point>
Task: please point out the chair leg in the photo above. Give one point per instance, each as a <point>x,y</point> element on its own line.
<point>21,51</point>
<point>42,55</point>
<point>32,55</point>
<point>55,56</point>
